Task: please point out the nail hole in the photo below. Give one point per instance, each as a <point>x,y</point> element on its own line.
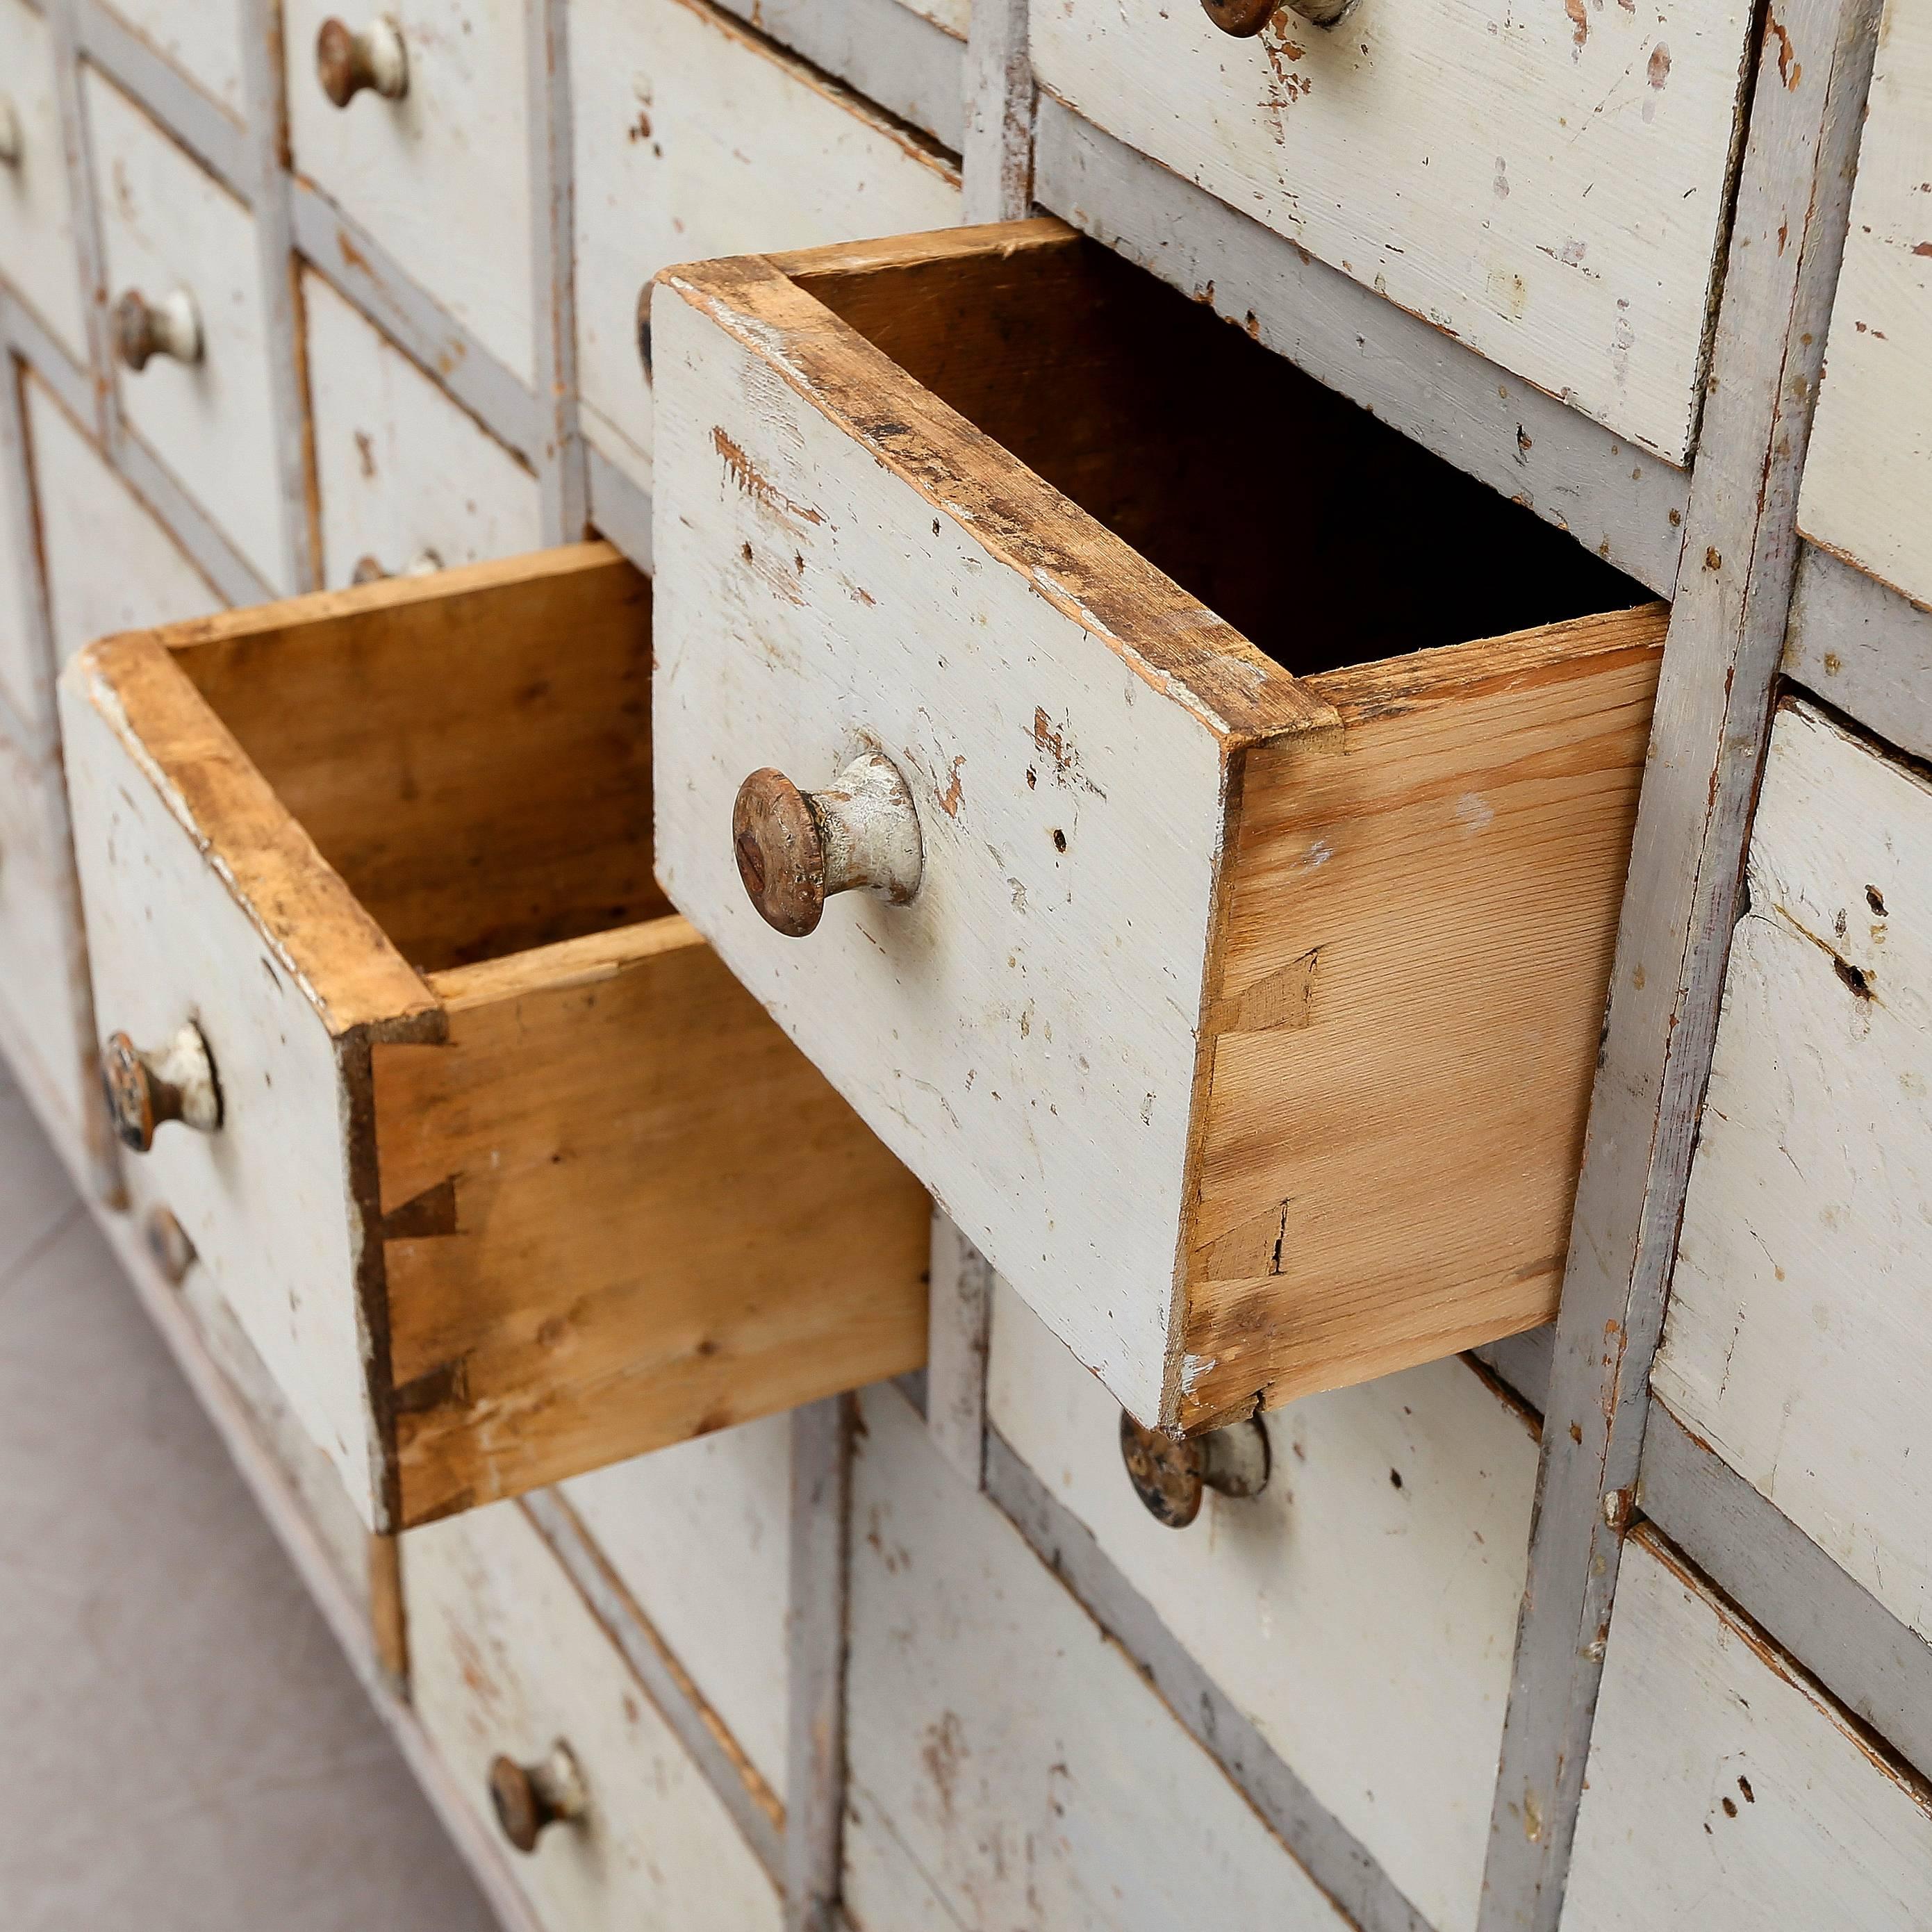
<point>1859,983</point>
<point>1059,840</point>
<point>1876,900</point>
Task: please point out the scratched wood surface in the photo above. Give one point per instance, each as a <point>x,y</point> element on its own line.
<point>507,1657</point>
<point>1864,494</point>
<point>1725,1790</point>
<point>1547,183</point>
<point>38,245</point>
<point>1798,1341</point>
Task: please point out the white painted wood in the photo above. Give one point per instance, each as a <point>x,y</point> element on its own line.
<point>619,510</point>
<point>1725,1791</point>
<point>167,226</point>
<point>694,138</point>
<point>959,1326</point>
<point>1025,1048</point>
<point>996,157</point>
<point>88,513</point>
<point>700,1533</point>
<point>506,1656</point>
<point>955,16</point>
<point>38,250</point>
<point>1362,1624</point>
<point>421,173</point>
<point>1016,1756</point>
<point>201,37</point>
<point>561,463</point>
<point>1546,184</point>
<point>1866,493</point>
<point>401,470</point>
<point>1798,1339</point>
<point>1860,644</point>
<point>26,679</point>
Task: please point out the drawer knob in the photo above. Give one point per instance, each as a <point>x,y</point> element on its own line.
<point>146,1090</point>
<point>371,569</point>
<point>11,144</point>
<point>1169,1473</point>
<point>346,62</point>
<point>795,849</point>
<point>527,1797</point>
<point>1244,19</point>
<point>143,330</point>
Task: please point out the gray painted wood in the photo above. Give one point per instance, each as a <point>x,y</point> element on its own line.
<point>35,732</point>
<point>645,1652</point>
<point>560,457</point>
<point>96,409</point>
<point>23,332</point>
<point>211,552</point>
<point>996,146</point>
<point>821,1507</point>
<point>1862,646</point>
<point>959,1328</point>
<point>1713,716</point>
<point>1611,497</point>
<point>1523,1361</point>
<point>1337,1860</point>
<point>619,509</point>
<point>1880,1670</point>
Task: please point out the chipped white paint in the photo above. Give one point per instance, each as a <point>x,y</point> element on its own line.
<point>506,1656</point>
<point>201,38</point>
<point>38,251</point>
<point>439,178</point>
<point>1798,1339</point>
<point>700,1534</point>
<point>1865,493</point>
<point>1007,1763</point>
<point>1023,1034</point>
<point>1360,1611</point>
<point>403,473</point>
<point>167,226</point>
<point>694,140</point>
<point>1724,1791</point>
<point>1545,182</point>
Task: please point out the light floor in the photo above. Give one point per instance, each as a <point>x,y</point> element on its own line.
<point>183,1748</point>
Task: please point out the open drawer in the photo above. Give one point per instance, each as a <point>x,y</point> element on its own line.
<point>501,1172</point>
<point>1235,956</point>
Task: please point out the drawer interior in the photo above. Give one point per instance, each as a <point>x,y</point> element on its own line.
<point>475,765</point>
<point>1323,535</point>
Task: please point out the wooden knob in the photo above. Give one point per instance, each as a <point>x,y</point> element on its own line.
<point>1170,1473</point>
<point>168,1244</point>
<point>1244,19</point>
<point>145,1090</point>
<point>527,1797</point>
<point>12,144</point>
<point>795,849</point>
<point>346,62</point>
<point>143,330</point>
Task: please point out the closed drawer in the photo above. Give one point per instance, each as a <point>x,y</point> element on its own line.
<point>1724,1790</point>
<point>508,1662</point>
<point>700,1534</point>
<point>191,325</point>
<point>1399,1508</point>
<point>408,481</point>
<point>1547,184</point>
<point>434,139</point>
<point>502,1174</point>
<point>201,37</point>
<point>37,238</point>
<point>1798,1341</point>
<point>694,138</point>
<point>1867,492</point>
<point>1006,1764</point>
<point>1245,1009</point>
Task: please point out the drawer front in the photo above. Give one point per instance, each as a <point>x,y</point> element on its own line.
<point>414,171</point>
<point>170,235</point>
<point>202,37</point>
<point>37,238</point>
<point>700,1535</point>
<point>1866,493</point>
<point>1399,1507</point>
<point>694,138</point>
<point>1798,1337</point>
<point>408,481</point>
<point>1009,1753</point>
<point>1546,185</point>
<point>506,1659</point>
<point>1724,1790</point>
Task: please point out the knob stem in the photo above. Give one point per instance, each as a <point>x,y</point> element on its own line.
<point>1244,19</point>
<point>12,145</point>
<point>1169,1473</point>
<point>346,62</point>
<point>143,330</point>
<point>528,1797</point>
<point>145,1090</point>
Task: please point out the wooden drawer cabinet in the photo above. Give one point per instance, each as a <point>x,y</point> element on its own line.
<point>1724,1790</point>
<point>694,137</point>
<point>190,325</point>
<point>201,37</point>
<point>1006,1764</point>
<point>1548,184</point>
<point>1798,1338</point>
<point>502,1174</point>
<point>508,1661</point>
<point>408,481</point>
<point>1360,1611</point>
<point>37,253</point>
<point>419,168</point>
<point>1246,1004</point>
